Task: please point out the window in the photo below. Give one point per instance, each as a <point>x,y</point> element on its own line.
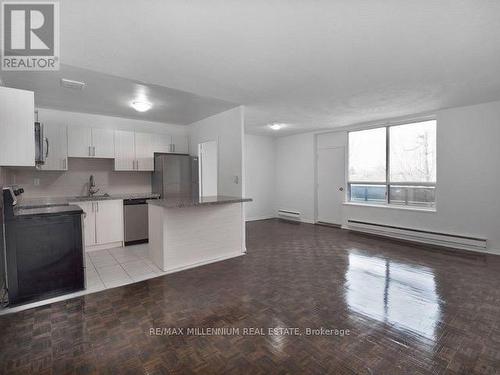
<point>394,165</point>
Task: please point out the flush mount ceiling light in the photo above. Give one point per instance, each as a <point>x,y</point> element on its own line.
<point>141,106</point>
<point>276,126</point>
<point>71,84</point>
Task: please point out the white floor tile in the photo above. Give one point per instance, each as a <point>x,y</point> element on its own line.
<point>113,276</point>
<point>123,255</point>
<point>102,258</point>
<point>151,264</point>
<point>140,251</point>
<point>139,270</point>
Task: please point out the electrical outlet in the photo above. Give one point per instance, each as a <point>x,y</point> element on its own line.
<point>36,181</point>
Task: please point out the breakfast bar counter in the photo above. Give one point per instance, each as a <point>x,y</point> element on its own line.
<point>186,232</point>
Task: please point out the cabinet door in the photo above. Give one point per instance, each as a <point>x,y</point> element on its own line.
<point>79,142</point>
<point>180,144</point>
<point>56,147</point>
<point>109,221</point>
<point>103,141</point>
<point>17,118</point>
<point>144,151</point>
<point>161,143</point>
<point>88,222</point>
<point>124,151</point>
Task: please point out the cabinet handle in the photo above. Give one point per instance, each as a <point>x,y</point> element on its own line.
<point>173,147</point>
<point>97,206</point>
<point>93,150</point>
<point>47,151</point>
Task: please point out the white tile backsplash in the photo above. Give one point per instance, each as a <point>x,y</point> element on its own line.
<point>75,180</point>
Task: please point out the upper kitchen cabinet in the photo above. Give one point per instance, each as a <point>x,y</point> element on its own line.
<point>86,142</point>
<point>17,132</point>
<point>134,151</point>
<point>56,148</point>
<point>174,144</point>
<point>144,151</point>
<point>124,150</point>
<point>180,144</point>
<point>162,143</point>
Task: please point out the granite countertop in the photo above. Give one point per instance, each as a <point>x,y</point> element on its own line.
<point>180,202</point>
<point>48,210</point>
<point>44,202</point>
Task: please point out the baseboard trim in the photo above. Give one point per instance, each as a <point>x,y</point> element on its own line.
<point>257,218</point>
<point>105,246</point>
<point>402,237</point>
<point>203,263</point>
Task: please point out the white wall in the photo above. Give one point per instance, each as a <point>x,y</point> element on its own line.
<point>468,178</point>
<point>295,174</point>
<point>260,177</point>
<point>227,129</point>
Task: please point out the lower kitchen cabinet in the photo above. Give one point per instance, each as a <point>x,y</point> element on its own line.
<point>103,223</point>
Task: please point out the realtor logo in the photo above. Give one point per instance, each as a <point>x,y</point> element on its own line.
<point>30,35</point>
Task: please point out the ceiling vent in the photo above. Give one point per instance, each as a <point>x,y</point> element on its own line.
<point>70,84</point>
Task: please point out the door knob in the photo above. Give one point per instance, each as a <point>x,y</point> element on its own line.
<point>341,189</point>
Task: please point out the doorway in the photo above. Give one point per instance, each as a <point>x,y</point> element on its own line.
<point>208,170</point>
<point>330,191</point>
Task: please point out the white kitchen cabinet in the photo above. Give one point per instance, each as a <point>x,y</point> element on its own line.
<point>85,142</point>
<point>180,144</point>
<point>79,142</point>
<point>88,223</point>
<point>56,147</point>
<point>103,142</point>
<point>109,221</point>
<point>166,143</point>
<point>162,143</point>
<point>134,151</point>
<point>124,150</point>
<point>17,131</point>
<point>144,151</point>
<point>103,223</point>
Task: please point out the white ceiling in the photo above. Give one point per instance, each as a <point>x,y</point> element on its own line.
<point>110,95</point>
<point>313,64</point>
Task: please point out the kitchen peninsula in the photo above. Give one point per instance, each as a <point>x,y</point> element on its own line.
<point>186,232</point>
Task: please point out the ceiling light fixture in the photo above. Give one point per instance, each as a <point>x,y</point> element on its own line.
<point>71,84</point>
<point>141,106</point>
<point>276,126</point>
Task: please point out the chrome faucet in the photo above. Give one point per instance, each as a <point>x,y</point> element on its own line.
<point>92,188</point>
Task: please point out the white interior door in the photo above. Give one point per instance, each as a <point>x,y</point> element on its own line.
<point>331,184</point>
<point>208,168</point>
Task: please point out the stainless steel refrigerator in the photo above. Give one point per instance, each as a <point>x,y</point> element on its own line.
<point>175,175</point>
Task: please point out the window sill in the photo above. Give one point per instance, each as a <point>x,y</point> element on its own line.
<point>391,207</point>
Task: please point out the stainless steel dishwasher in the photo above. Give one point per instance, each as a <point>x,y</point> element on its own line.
<point>135,217</point>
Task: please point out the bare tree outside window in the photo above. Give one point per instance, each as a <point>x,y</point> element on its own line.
<point>411,162</point>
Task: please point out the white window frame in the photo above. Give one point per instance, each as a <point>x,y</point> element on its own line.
<point>388,182</point>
